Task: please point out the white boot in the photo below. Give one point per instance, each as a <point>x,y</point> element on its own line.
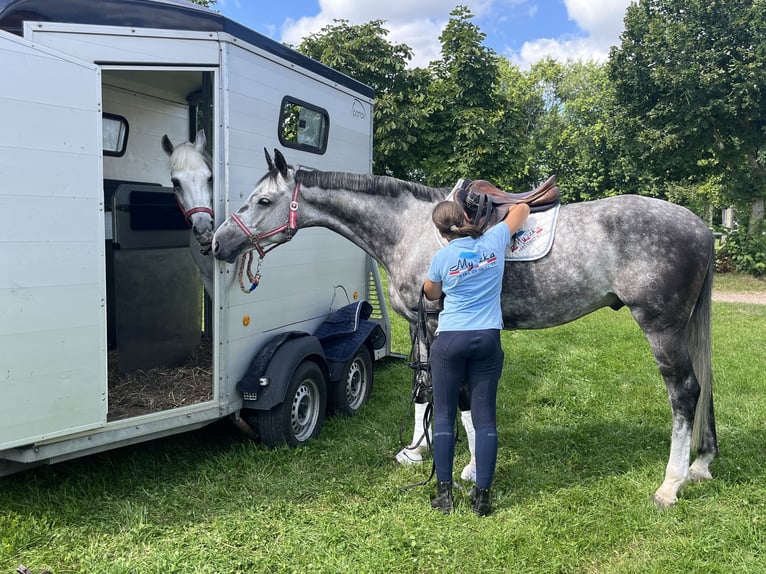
<point>413,454</point>
<point>469,471</point>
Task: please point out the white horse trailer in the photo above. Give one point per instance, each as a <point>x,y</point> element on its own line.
<point>102,313</point>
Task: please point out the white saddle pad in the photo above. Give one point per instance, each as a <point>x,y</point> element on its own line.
<point>534,239</point>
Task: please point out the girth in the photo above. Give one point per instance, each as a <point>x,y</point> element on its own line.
<point>485,204</point>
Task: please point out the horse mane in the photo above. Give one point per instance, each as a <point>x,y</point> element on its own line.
<point>186,156</point>
<point>372,184</point>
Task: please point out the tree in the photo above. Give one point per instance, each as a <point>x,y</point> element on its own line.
<point>690,76</point>
<point>523,108</point>
<point>466,136</point>
<point>205,3</point>
<point>363,52</point>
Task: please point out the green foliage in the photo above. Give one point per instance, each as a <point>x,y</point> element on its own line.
<point>689,79</point>
<point>364,53</point>
<point>575,136</point>
<point>743,253</point>
<point>465,135</point>
<point>206,3</point>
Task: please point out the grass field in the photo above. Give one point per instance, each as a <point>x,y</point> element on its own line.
<point>584,433</point>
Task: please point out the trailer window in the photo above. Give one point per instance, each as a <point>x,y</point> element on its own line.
<point>115,134</point>
<point>303,126</point>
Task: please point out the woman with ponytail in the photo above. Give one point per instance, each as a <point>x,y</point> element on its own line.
<point>469,272</point>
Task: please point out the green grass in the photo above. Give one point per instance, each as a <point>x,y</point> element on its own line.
<point>584,433</point>
<point>739,282</point>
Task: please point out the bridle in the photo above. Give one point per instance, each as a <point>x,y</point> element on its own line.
<point>289,228</point>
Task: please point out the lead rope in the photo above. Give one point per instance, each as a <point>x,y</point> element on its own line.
<point>254,278</point>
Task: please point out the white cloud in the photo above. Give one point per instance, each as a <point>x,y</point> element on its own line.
<point>419,23</point>
<point>601,20</point>
<point>416,23</point>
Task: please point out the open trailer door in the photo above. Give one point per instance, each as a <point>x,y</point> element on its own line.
<point>52,287</point>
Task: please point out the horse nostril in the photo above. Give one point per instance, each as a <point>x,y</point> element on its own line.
<point>216,246</point>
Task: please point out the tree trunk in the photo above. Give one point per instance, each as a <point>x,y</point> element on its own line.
<point>756,217</point>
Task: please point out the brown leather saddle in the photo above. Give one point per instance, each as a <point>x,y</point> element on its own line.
<point>485,204</point>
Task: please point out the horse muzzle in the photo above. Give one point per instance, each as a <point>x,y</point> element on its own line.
<point>222,252</point>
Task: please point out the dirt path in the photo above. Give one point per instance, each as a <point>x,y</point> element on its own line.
<point>740,297</point>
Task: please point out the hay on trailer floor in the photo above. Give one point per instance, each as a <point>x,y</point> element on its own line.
<point>152,390</point>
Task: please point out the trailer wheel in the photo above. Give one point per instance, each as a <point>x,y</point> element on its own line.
<point>352,391</point>
<point>299,418</point>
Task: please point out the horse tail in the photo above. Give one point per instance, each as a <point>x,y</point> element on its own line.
<point>698,336</point>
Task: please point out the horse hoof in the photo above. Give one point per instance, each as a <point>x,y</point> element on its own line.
<point>408,456</point>
<point>699,471</point>
<point>469,472</point>
<point>700,475</point>
<point>663,503</point>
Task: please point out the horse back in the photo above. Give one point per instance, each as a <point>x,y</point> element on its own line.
<point>648,254</point>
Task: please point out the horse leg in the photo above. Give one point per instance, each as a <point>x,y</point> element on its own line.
<point>673,359</point>
<point>413,452</point>
<point>464,405</point>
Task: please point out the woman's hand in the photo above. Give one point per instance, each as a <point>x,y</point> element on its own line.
<point>432,289</point>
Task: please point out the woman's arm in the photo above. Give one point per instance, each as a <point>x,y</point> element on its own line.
<point>432,289</point>
<point>516,217</point>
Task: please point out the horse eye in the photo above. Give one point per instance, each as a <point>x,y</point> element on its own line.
<point>264,201</point>
<point>175,182</point>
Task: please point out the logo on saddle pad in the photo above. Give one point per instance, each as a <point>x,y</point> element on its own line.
<point>523,238</point>
<point>534,239</point>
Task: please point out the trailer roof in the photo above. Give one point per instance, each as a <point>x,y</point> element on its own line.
<point>164,14</point>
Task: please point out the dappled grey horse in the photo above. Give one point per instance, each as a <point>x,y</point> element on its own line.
<point>652,256</point>
<point>192,178</point>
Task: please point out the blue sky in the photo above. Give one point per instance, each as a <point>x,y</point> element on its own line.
<point>521,30</point>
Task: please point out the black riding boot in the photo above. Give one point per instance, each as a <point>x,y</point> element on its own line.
<point>443,499</point>
<point>480,501</point>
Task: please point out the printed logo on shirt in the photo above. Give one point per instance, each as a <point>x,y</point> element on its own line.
<point>469,262</point>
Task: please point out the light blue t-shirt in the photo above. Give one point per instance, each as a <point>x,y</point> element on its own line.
<point>471,274</point>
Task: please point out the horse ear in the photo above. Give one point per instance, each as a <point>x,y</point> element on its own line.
<point>269,163</point>
<point>167,146</point>
<point>280,162</point>
<point>200,141</point>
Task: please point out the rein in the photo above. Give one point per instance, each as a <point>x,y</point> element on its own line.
<point>421,368</point>
<point>419,387</point>
<point>289,228</point>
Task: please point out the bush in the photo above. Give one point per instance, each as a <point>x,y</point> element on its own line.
<point>743,253</point>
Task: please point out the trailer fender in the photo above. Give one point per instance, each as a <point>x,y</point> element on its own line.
<point>344,332</point>
<point>265,383</point>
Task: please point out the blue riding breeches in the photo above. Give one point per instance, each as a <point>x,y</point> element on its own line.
<point>474,358</point>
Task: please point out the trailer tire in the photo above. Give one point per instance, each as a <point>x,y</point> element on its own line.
<point>352,391</point>
<point>299,418</point>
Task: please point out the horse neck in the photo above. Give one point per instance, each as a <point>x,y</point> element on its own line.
<point>376,223</point>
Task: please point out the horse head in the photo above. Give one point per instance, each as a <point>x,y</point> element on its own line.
<point>192,179</point>
<point>268,218</point>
